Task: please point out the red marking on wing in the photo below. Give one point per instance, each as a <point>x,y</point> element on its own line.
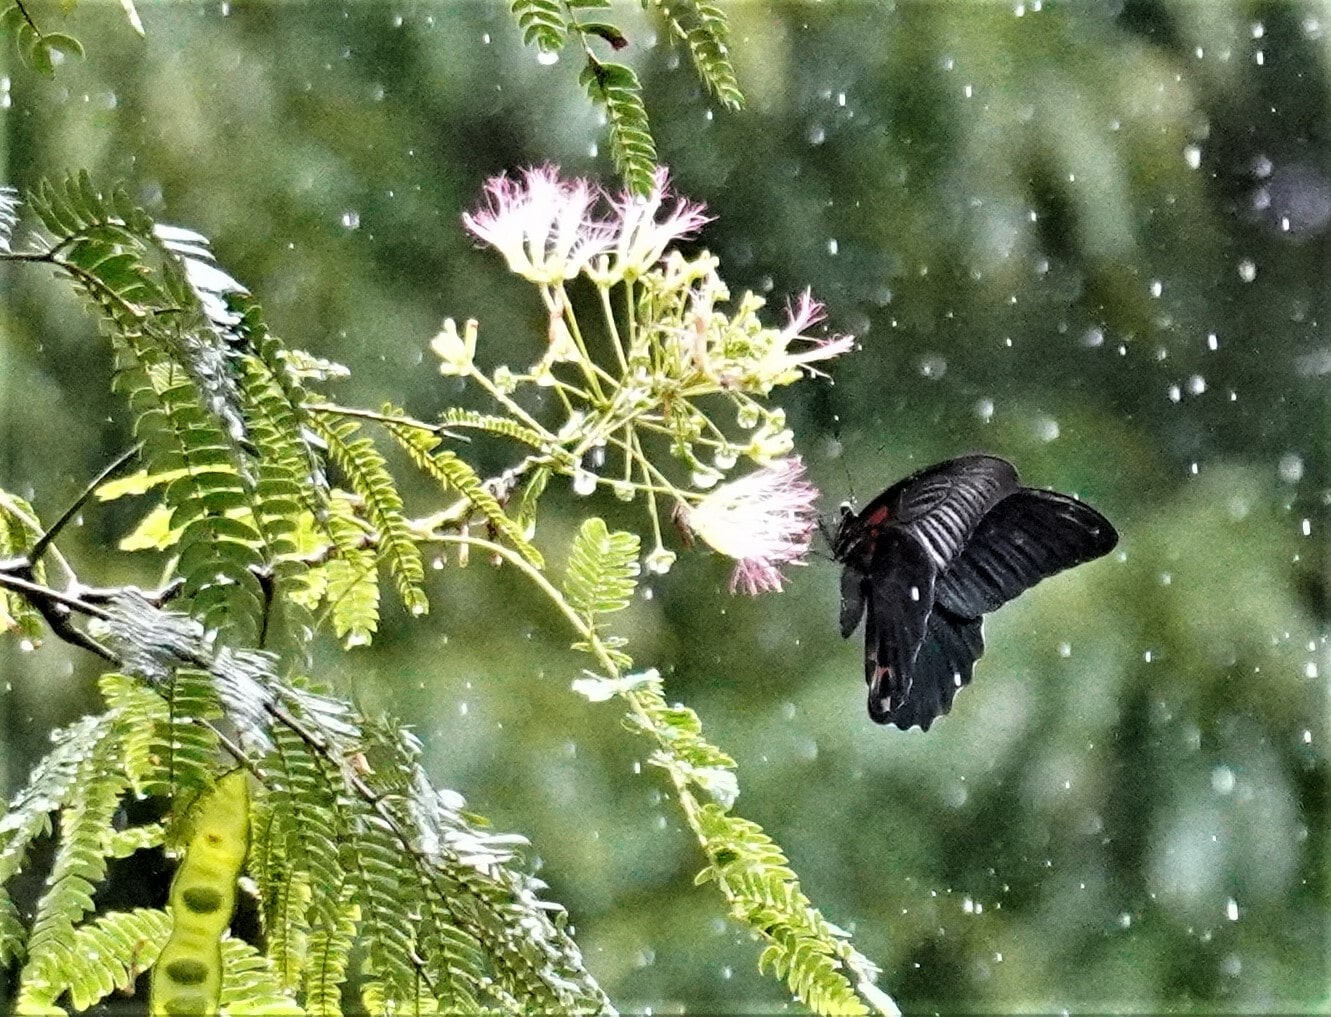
<point>877,517</point>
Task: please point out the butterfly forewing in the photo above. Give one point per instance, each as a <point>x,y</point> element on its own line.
<point>1026,537</point>
<point>943,504</point>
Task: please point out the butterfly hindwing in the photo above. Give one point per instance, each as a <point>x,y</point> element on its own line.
<point>1026,537</point>
<point>900,596</point>
<point>945,663</point>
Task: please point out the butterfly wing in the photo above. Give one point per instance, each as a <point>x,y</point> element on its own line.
<point>940,505</point>
<point>944,664</point>
<point>1026,537</point>
<point>943,504</point>
<point>899,593</point>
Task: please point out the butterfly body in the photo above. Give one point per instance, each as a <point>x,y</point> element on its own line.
<point>927,558</point>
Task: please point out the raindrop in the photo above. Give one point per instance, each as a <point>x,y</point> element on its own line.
<point>1212,343</point>
<point>1193,155</point>
<point>704,479</point>
<point>832,247</point>
<point>350,219</point>
<point>547,59</point>
<point>584,483</point>
<point>1222,780</point>
<point>1124,920</point>
<point>1046,428</point>
<point>817,134</point>
<point>1094,338</point>
<point>1196,385</point>
<point>1065,649</point>
<point>1309,671</point>
<point>1175,393</point>
<point>984,409</point>
<point>1157,288</point>
<point>1291,467</point>
<point>1306,527</point>
<point>1232,909</point>
<point>932,366</point>
<point>1247,270</point>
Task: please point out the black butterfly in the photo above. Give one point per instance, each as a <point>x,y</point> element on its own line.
<point>932,554</point>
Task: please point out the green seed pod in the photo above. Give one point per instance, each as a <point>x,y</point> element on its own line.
<point>187,978</point>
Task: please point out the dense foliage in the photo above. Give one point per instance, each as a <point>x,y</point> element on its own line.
<point>1090,239</point>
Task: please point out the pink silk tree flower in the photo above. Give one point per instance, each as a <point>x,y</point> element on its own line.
<point>640,240</point>
<point>763,520</point>
<point>543,226</point>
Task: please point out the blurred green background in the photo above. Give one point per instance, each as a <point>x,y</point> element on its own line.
<point>1094,238</point>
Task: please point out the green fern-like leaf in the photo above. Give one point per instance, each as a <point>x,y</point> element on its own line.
<point>803,948</point>
<point>616,87</point>
<point>702,25</point>
<point>219,551</point>
<point>143,719</point>
<point>542,22</point>
<point>16,536</point>
<point>108,953</point>
<point>327,961</point>
<point>382,891</point>
<point>79,865</point>
<point>457,417</point>
<point>12,931</point>
<point>301,843</point>
<point>28,815</point>
<point>447,468</point>
<point>251,986</point>
<point>351,581</point>
<point>602,570</point>
<point>368,475</point>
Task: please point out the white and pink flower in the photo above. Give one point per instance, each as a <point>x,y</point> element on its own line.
<point>763,520</point>
<point>545,228</point>
<point>640,239</point>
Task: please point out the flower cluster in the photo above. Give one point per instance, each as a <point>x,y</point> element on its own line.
<point>674,350</point>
